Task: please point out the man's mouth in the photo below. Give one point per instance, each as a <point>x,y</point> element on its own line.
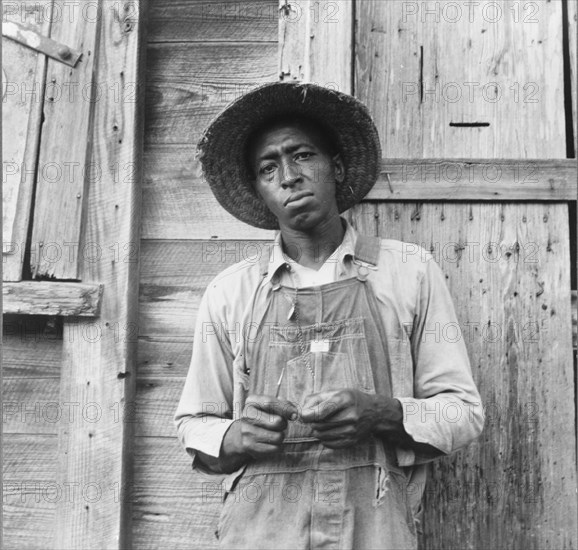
<point>296,196</point>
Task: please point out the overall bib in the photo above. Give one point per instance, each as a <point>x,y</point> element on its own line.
<point>310,496</point>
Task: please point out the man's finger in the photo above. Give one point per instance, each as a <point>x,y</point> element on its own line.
<point>337,443</point>
<point>328,426</point>
<point>273,405</point>
<point>265,420</point>
<point>320,406</point>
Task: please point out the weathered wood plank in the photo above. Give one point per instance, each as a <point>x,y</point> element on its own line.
<point>64,165</point>
<point>23,78</point>
<point>293,44</point>
<point>33,406</point>
<point>476,180</point>
<point>213,21</point>
<point>419,73</point>
<point>27,36</point>
<point>27,352</point>
<point>172,505</point>
<point>510,284</point>
<point>178,203</point>
<point>101,369</point>
<point>428,81</point>
<point>574,320</point>
<point>163,358</point>
<point>308,34</point>
<point>572,7</point>
<point>30,491</point>
<point>189,84</point>
<point>174,275</point>
<point>47,298</point>
<point>155,404</point>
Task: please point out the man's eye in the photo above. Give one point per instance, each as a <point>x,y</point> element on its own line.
<point>304,155</point>
<point>267,169</point>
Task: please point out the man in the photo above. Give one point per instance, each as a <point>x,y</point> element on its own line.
<point>317,380</point>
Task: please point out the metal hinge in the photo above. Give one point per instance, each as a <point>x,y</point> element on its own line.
<point>30,38</point>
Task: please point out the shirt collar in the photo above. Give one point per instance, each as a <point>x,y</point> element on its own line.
<point>346,248</point>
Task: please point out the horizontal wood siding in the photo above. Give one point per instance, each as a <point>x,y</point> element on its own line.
<point>171,504</point>
<point>213,21</point>
<point>31,355</point>
<point>30,490</point>
<point>187,86</point>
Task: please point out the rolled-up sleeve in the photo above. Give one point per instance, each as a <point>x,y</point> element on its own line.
<point>204,411</point>
<point>446,410</point>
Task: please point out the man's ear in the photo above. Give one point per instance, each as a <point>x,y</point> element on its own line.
<point>339,168</point>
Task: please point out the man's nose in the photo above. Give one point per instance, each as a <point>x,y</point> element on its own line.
<point>290,175</point>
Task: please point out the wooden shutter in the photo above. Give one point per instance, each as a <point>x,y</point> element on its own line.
<point>87,207</point>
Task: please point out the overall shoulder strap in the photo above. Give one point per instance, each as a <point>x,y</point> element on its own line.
<point>367,249</point>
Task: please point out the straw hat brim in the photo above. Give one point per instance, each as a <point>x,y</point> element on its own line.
<point>222,147</point>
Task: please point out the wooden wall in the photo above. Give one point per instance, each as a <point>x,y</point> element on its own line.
<point>32,354</point>
<point>510,489</point>
<point>513,488</point>
<point>201,55</point>
<point>507,264</point>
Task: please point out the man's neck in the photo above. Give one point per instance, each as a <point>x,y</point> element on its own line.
<point>312,248</point>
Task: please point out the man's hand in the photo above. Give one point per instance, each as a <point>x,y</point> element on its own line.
<point>344,417</point>
<point>262,429</point>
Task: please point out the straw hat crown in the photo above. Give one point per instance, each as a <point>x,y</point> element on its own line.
<point>222,148</point>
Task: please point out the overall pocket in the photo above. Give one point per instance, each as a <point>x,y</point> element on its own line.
<point>336,357</point>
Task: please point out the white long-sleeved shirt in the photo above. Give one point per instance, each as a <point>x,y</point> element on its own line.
<point>431,373</point>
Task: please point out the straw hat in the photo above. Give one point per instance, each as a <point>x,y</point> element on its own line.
<point>222,147</point>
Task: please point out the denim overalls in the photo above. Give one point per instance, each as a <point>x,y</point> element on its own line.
<point>310,496</point>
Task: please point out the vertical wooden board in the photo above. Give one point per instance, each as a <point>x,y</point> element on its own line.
<point>99,357</point>
<point>173,507</point>
<point>293,53</point>
<point>421,67</point>
<point>511,287</point>
<point>24,71</point>
<point>572,31</point>
<point>331,36</point>
<point>64,163</point>
<point>315,43</point>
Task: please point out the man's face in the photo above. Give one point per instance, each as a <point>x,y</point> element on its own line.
<point>295,175</point>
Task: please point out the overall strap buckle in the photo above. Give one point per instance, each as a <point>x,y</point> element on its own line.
<point>366,255</point>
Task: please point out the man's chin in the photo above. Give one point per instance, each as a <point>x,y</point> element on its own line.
<point>304,221</point>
